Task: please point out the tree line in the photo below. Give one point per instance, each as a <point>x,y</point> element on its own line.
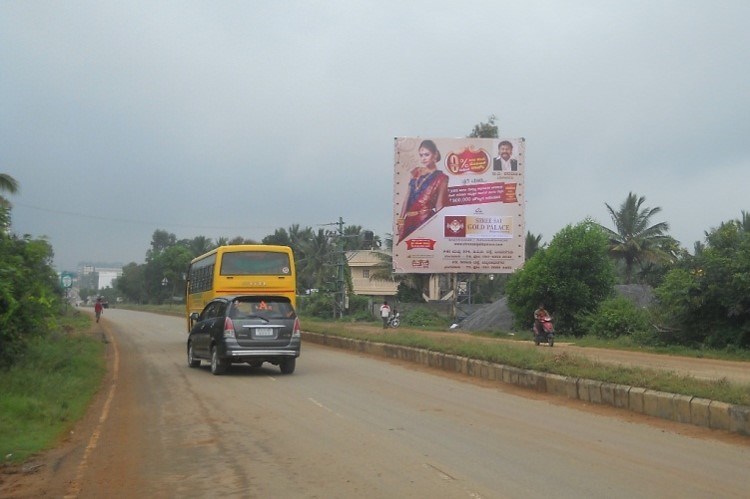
<point>317,254</point>
<point>29,288</point>
<point>700,299</point>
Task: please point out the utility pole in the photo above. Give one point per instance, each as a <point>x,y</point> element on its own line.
<point>340,280</point>
<point>339,294</point>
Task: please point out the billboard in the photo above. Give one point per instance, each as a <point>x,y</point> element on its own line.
<point>458,205</point>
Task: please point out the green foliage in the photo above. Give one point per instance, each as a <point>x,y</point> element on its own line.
<point>29,294</point>
<point>615,317</point>
<point>636,243</point>
<point>706,299</point>
<point>486,130</point>
<point>410,290</point>
<point>425,318</point>
<point>532,245</point>
<point>358,305</point>
<point>571,277</point>
<point>132,283</point>
<point>318,305</point>
<point>43,396</point>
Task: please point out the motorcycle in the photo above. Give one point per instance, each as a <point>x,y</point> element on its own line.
<point>394,320</point>
<point>547,335</point>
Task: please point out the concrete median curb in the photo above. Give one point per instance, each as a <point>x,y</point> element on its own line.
<point>679,408</point>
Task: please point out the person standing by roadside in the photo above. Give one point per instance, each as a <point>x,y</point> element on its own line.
<point>385,313</point>
<point>98,308</point>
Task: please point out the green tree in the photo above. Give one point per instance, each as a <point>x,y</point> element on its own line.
<point>29,293</point>
<point>634,241</point>
<point>706,299</point>
<point>132,284</point>
<point>486,130</point>
<point>571,277</point>
<point>280,237</point>
<point>353,237</point>
<point>160,240</point>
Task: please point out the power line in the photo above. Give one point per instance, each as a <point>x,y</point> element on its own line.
<point>132,221</point>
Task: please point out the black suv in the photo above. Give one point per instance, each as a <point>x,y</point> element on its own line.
<point>252,329</point>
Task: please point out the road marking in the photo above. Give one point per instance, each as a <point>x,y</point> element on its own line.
<point>318,403</point>
<point>441,473</point>
<point>75,486</point>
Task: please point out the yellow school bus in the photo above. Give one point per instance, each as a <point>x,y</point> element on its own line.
<point>243,269</point>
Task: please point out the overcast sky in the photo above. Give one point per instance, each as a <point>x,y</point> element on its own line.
<point>221,118</point>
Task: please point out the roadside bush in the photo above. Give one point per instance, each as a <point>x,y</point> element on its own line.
<point>358,306</point>
<point>615,317</point>
<point>318,305</point>
<point>424,317</point>
<point>29,294</point>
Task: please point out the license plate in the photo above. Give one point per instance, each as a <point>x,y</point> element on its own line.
<point>264,332</point>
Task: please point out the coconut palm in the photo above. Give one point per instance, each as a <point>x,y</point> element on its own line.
<point>634,241</point>
<point>533,243</point>
<point>8,184</point>
<point>200,245</point>
<point>316,265</point>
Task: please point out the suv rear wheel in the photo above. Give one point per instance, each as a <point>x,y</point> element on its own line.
<point>287,365</point>
<point>218,365</point>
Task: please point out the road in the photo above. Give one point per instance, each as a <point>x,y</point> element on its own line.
<point>346,425</point>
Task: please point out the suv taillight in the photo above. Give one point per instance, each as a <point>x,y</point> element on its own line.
<point>228,328</point>
<point>296,329</point>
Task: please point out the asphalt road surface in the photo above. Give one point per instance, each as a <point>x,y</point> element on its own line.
<point>346,425</point>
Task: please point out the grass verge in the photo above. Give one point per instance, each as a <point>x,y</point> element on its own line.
<point>524,358</point>
<point>49,389</point>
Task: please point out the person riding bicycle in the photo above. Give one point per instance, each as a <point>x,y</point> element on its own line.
<point>540,315</point>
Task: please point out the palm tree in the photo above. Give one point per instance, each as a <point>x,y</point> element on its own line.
<point>634,241</point>
<point>200,245</point>
<point>744,222</point>
<point>316,266</point>
<point>8,184</point>
<point>533,243</point>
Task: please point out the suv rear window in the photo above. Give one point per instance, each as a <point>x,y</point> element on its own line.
<point>268,307</point>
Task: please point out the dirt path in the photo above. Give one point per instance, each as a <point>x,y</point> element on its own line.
<point>708,369</point>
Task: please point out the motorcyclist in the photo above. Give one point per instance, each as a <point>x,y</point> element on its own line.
<point>540,315</point>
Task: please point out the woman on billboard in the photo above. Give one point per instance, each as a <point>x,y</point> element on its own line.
<point>428,191</point>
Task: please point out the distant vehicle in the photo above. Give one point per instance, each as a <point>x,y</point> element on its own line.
<point>394,320</point>
<point>243,269</point>
<point>546,334</point>
<point>245,328</point>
